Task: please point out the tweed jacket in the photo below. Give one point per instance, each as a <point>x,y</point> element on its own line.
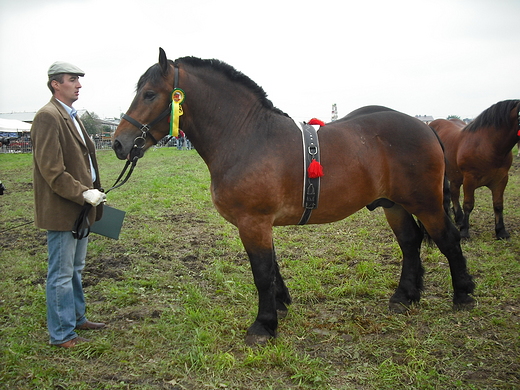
<point>61,169</point>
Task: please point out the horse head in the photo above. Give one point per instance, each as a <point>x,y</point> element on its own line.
<point>147,119</point>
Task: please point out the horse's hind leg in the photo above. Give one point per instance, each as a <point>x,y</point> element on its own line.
<point>409,237</point>
<point>468,205</point>
<point>458,215</point>
<point>447,237</point>
<point>498,207</point>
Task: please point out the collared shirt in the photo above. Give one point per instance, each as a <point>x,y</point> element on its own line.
<point>72,112</point>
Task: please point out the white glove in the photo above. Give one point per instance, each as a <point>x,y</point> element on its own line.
<point>94,197</point>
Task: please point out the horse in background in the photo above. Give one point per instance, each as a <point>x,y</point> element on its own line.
<point>480,154</point>
<point>374,157</point>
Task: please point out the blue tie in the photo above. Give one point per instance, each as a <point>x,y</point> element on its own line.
<point>73,113</point>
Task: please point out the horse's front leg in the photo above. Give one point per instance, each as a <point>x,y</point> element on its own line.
<point>283,298</point>
<point>497,193</point>
<point>266,322</point>
<point>273,296</point>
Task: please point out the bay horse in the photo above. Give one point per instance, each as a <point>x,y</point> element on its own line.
<point>373,157</point>
<point>480,154</point>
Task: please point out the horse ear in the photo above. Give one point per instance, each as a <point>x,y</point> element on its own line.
<point>163,61</point>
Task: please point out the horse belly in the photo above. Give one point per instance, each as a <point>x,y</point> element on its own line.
<point>276,197</point>
<point>344,196</point>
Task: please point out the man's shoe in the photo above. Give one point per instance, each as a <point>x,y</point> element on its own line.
<point>91,326</point>
<point>72,343</point>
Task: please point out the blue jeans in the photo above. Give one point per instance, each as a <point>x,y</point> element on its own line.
<point>65,300</point>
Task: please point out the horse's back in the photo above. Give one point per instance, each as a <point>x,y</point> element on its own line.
<point>451,135</point>
<point>367,110</point>
<point>376,152</point>
<point>448,128</point>
<point>380,126</point>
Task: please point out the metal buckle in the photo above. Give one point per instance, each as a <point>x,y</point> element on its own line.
<point>139,142</point>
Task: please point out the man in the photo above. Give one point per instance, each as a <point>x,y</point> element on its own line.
<point>66,177</point>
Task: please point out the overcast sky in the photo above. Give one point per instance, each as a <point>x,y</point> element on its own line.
<point>438,58</point>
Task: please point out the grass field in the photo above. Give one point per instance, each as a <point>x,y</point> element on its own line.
<point>177,294</point>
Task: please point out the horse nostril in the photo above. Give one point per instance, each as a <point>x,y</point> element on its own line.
<point>118,149</point>
<point>116,145</point>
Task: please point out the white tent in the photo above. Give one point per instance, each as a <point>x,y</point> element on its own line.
<point>12,125</point>
<point>13,128</point>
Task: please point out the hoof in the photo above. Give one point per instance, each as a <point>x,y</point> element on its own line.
<point>259,334</point>
<point>255,339</point>
<point>398,307</point>
<point>467,304</point>
<point>503,236</point>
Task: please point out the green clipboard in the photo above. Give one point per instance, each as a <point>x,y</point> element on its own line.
<point>110,224</point>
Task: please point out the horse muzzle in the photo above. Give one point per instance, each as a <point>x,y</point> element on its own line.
<point>120,151</point>
<point>135,152</point>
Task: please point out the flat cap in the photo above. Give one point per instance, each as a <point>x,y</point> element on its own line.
<point>64,67</point>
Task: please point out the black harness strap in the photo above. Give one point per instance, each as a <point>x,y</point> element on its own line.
<point>312,186</point>
<point>519,122</point>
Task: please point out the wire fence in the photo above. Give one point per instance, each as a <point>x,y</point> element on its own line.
<point>24,145</point>
<point>15,145</point>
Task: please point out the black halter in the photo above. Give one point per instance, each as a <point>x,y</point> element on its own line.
<point>138,149</point>
<point>81,227</point>
<point>145,129</point>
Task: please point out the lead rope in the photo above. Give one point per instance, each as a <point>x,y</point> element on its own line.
<point>81,227</point>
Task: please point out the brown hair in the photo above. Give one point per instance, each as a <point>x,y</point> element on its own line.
<point>58,77</point>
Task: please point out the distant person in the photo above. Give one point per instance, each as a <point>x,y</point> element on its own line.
<point>180,140</point>
<point>66,176</point>
<point>4,141</point>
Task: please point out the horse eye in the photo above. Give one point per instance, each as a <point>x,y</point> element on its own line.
<point>149,95</point>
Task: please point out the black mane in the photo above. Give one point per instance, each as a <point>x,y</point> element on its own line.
<point>495,116</point>
<point>233,75</point>
<point>154,75</point>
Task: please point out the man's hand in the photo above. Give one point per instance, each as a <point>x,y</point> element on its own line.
<point>94,197</point>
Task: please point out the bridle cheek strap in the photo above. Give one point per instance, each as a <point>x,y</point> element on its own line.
<point>145,129</point>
